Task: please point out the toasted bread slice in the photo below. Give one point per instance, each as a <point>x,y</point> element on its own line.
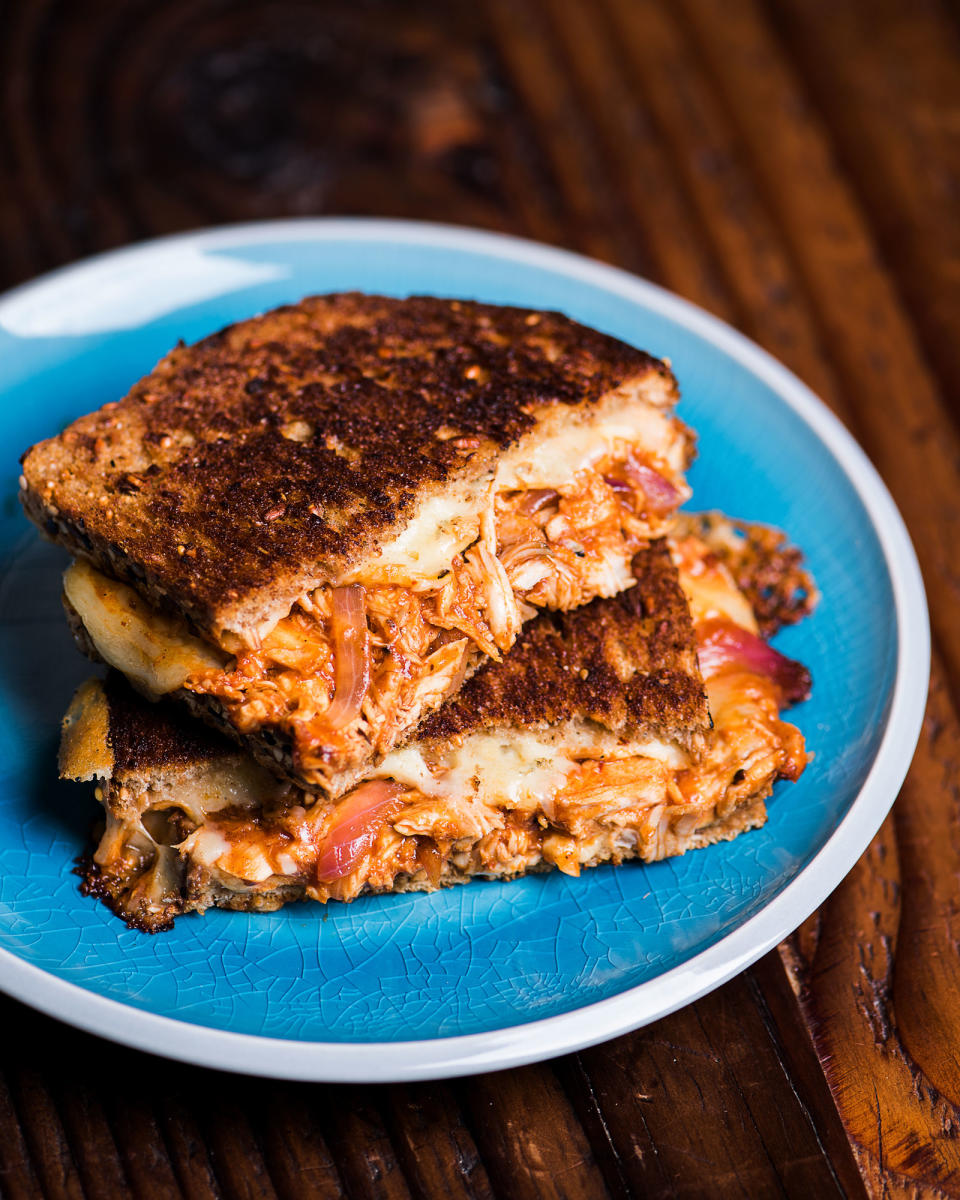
<point>287,451</point>
<point>589,743</point>
<point>315,525</point>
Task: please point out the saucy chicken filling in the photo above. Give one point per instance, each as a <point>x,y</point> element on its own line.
<point>494,809</point>
<point>354,667</point>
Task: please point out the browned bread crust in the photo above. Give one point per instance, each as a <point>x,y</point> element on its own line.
<point>110,730</point>
<point>628,664</point>
<point>149,737</point>
<point>318,428</point>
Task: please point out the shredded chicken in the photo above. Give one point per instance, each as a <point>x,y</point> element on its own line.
<point>545,549</point>
<point>600,809</point>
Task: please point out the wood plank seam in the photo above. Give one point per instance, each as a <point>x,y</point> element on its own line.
<point>541,92</point>
<point>90,1136</point>
<point>19,84</point>
<point>619,48</point>
<point>774,1034</point>
<point>50,1155</point>
<point>578,1087</point>
<point>591,63</point>
<point>18,1180</point>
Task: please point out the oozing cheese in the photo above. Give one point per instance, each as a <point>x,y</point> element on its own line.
<point>645,800</point>
<point>234,783</point>
<point>159,653</point>
<point>446,525</point>
<point>709,587</point>
<point>154,651</point>
<point>509,768</point>
<point>552,461</point>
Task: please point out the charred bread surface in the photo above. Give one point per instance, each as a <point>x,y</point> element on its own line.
<point>277,454</point>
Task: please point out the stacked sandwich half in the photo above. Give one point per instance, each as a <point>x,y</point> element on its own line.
<point>394,594</point>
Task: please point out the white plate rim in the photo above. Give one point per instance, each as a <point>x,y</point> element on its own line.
<point>444,1057</point>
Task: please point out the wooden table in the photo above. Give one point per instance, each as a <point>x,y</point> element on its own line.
<point>791,165</point>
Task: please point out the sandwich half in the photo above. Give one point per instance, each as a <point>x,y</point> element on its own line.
<point>591,742</point>
<point>314,525</point>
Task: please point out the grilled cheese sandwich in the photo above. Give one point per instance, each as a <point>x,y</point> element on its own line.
<point>315,525</point>
<point>514,774</point>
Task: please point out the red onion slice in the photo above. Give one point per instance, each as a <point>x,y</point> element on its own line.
<point>661,495</point>
<point>351,656</point>
<point>535,499</point>
<point>620,486</point>
<point>722,644</point>
<point>356,824</point>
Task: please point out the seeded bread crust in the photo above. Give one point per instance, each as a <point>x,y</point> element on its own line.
<point>278,454</point>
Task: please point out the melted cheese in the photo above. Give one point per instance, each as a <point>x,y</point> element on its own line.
<point>205,845</point>
<point>712,593</point>
<point>515,769</point>
<point>552,461</point>
<point>508,768</point>
<point>158,652</point>
<point>446,525</point>
<point>240,783</point>
<point>154,651</point>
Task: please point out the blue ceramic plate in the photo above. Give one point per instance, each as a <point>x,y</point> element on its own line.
<point>492,974</point>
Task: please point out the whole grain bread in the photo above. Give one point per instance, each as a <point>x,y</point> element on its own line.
<point>145,748</point>
<point>281,452</point>
<point>627,665</point>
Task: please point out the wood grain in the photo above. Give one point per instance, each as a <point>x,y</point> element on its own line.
<point>793,166</point>
<point>364,1152</point>
<point>739,1110</point>
<point>91,1139</point>
<point>878,971</point>
<point>140,1146</point>
<point>50,1156</point>
<point>294,1147</point>
<point>437,1151</point>
<point>185,1143</point>
<point>891,88</point>
<point>17,1178</point>
<point>926,979</point>
<point>557,1162</point>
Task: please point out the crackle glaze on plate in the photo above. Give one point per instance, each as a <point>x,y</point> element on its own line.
<point>492,974</point>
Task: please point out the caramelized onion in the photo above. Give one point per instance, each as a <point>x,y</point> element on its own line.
<point>351,656</point>
<point>535,499</point>
<point>430,860</point>
<point>356,824</point>
<point>620,486</point>
<point>722,644</point>
<point>661,495</point>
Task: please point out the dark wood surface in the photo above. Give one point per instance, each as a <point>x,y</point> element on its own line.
<point>791,165</point>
